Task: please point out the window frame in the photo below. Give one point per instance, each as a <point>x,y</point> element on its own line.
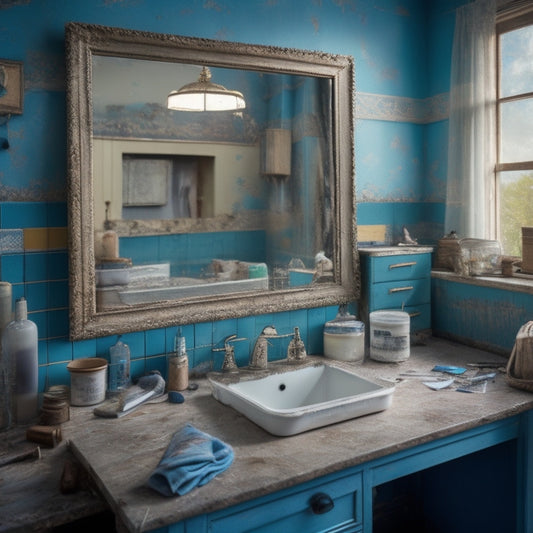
<point>513,16</point>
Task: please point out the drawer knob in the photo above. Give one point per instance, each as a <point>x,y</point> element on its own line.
<point>321,503</point>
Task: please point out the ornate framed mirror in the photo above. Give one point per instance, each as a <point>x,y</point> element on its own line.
<point>179,216</point>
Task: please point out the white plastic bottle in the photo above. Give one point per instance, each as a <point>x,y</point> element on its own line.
<point>19,346</point>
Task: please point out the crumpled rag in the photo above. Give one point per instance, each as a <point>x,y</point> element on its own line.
<point>192,459</point>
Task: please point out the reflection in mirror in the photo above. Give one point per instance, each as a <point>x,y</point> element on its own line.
<point>191,215</point>
<point>248,219</point>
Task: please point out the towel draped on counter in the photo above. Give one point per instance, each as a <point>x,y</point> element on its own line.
<point>192,459</point>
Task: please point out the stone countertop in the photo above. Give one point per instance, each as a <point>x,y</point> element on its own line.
<point>30,495</point>
<point>121,453</point>
<point>378,251</point>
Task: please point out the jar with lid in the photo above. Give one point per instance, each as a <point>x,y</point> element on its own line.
<point>344,338</point>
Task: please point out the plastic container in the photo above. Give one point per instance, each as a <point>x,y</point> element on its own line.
<point>344,339</point>
<point>88,379</point>
<point>389,336</point>
<point>19,350</point>
<point>119,367</point>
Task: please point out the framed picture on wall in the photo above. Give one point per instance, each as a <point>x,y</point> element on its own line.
<point>11,87</point>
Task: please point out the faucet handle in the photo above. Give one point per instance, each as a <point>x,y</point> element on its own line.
<point>229,364</point>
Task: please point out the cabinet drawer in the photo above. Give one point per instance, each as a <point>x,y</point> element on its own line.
<point>396,267</point>
<point>400,293</point>
<point>293,512</point>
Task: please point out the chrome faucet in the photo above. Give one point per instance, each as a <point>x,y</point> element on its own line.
<point>259,356</point>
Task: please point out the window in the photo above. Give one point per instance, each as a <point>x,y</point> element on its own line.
<point>514,168</point>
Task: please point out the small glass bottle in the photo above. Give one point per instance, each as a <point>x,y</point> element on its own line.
<point>19,347</point>
<point>178,365</point>
<point>296,352</point>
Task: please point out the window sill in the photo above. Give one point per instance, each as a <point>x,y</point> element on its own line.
<point>515,284</point>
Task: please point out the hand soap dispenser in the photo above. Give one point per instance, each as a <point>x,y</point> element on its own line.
<point>19,347</point>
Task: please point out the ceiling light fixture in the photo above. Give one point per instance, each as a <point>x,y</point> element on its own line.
<point>203,95</point>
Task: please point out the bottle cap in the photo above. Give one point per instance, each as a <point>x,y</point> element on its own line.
<point>21,309</point>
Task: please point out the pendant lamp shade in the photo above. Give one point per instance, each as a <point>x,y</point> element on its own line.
<point>203,95</point>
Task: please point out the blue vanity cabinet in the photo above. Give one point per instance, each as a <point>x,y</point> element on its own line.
<point>397,279</point>
<point>479,479</point>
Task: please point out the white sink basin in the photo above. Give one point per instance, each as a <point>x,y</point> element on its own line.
<point>305,398</point>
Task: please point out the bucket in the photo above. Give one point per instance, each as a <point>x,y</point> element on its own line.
<point>88,379</point>
<point>389,336</point>
<point>344,340</point>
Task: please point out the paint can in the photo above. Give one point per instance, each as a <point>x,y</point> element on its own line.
<point>88,380</point>
<point>389,336</point>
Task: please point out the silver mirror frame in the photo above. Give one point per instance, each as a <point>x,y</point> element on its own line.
<point>84,40</point>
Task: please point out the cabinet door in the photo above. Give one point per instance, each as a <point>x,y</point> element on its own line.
<point>399,267</point>
<point>331,506</point>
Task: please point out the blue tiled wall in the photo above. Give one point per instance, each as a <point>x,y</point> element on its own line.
<point>400,164</point>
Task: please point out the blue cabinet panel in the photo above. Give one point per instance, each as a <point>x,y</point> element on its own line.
<point>292,511</point>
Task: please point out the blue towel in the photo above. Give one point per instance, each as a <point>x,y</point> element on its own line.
<point>192,459</point>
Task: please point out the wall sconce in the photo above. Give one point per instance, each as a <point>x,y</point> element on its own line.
<point>204,95</point>
<point>276,152</point>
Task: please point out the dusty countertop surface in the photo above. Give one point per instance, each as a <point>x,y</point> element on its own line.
<point>121,453</point>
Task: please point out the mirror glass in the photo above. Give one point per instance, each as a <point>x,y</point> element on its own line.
<point>181,216</point>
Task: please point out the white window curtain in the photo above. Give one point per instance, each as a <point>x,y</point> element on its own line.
<point>471,144</point>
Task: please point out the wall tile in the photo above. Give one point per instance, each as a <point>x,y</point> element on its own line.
<point>12,268</point>
<point>35,267</point>
<point>59,350</point>
<point>42,373</point>
<point>158,363</point>
<point>316,318</point>
<point>56,214</point>
<point>23,215</point>
<point>41,320</point>
<point>58,323</point>
<point>37,296</point>
<point>135,342</point>
<point>11,241</point>
<point>245,330</point>
<point>35,239</point>
<point>57,374</point>
<point>203,340</point>
<point>86,348</point>
<point>58,294</point>
<point>155,341</point>
<point>137,368</point>
<point>57,238</point>
<point>57,265</point>
<point>42,353</point>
